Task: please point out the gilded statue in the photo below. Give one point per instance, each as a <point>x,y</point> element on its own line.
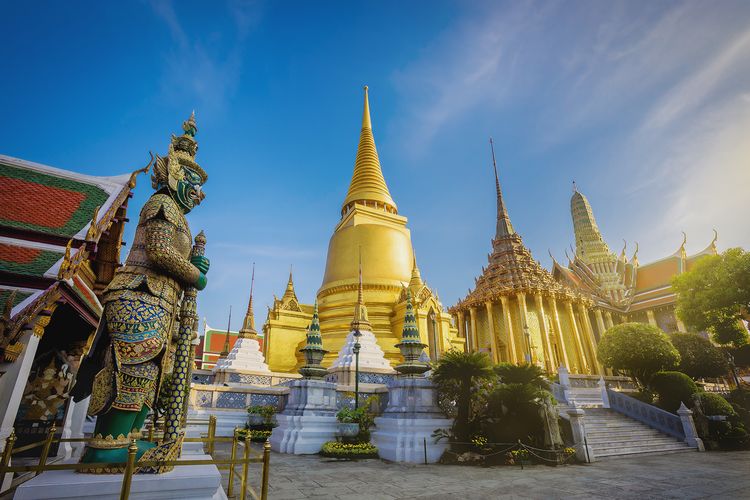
<point>130,354</point>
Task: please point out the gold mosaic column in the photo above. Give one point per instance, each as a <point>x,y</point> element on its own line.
<point>462,330</point>
<point>546,346</point>
<point>493,338</point>
<point>599,321</point>
<point>577,337</point>
<point>560,339</point>
<point>590,340</point>
<point>525,341</point>
<point>651,318</point>
<point>473,321</point>
<point>508,323</point>
<point>608,318</point>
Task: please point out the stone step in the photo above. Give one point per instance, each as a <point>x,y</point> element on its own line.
<point>624,433</point>
<point>625,454</point>
<point>629,442</point>
<point>612,448</point>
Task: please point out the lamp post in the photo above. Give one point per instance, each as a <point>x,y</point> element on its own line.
<point>527,334</point>
<point>357,347</point>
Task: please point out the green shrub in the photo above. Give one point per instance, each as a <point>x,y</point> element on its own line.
<point>673,388</point>
<point>336,449</point>
<point>643,395</point>
<point>699,358</point>
<point>714,404</point>
<point>267,411</point>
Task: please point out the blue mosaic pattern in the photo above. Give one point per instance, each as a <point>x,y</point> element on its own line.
<point>344,400</point>
<point>202,378</point>
<point>244,378</point>
<point>265,399</point>
<point>231,400</point>
<point>332,377</point>
<point>374,378</point>
<point>203,399</point>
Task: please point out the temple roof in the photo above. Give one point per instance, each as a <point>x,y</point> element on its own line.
<point>511,269</point>
<point>367,182</point>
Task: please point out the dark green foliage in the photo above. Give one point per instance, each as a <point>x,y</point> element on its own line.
<point>715,294</point>
<point>714,404</point>
<point>455,376</point>
<point>521,374</point>
<point>267,411</point>
<point>362,416</point>
<point>638,349</point>
<point>741,356</point>
<point>699,358</point>
<point>514,413</point>
<point>673,388</point>
<point>643,395</point>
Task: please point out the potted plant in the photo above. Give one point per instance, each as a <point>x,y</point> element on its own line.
<point>260,415</point>
<point>348,422</point>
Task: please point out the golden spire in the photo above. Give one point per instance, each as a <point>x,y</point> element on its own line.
<point>623,257</point>
<point>503,227</point>
<point>368,184</point>
<point>289,292</point>
<point>225,351</point>
<point>360,310</point>
<point>590,246</point>
<point>416,276</point>
<point>248,326</point>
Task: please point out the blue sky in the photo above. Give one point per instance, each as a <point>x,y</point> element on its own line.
<point>645,104</point>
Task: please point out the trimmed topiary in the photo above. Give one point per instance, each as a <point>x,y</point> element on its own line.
<point>673,388</point>
<point>337,449</point>
<point>714,404</point>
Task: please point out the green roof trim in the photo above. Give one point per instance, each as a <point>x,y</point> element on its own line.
<point>40,265</point>
<point>95,197</point>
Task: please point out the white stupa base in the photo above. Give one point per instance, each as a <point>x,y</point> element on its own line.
<point>196,482</point>
<point>404,432</point>
<point>371,356</point>
<point>245,356</point>
<point>309,419</point>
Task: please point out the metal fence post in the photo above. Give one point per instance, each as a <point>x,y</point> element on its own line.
<point>245,463</point>
<point>10,441</point>
<point>45,450</point>
<point>230,486</point>
<point>211,433</point>
<point>266,461</point>
<point>127,477</point>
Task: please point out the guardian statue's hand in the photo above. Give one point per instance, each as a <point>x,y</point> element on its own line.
<point>201,262</point>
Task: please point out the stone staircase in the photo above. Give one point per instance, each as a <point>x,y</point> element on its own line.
<point>611,434</point>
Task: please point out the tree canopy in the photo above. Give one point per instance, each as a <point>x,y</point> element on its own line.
<point>699,358</point>
<point>715,295</point>
<point>638,349</point>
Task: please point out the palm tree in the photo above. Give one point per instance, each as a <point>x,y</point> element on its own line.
<point>458,371</point>
<point>509,373</point>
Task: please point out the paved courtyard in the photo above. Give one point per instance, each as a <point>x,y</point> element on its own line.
<point>683,475</point>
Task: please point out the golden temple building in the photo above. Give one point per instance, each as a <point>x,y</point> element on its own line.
<point>622,289</point>
<point>371,231</point>
<point>517,312</point>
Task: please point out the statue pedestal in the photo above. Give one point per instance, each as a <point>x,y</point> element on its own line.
<point>309,419</point>
<point>404,431</point>
<point>197,482</point>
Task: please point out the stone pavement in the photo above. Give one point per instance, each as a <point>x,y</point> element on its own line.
<point>682,475</point>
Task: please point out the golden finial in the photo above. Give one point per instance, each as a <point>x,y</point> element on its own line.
<point>623,258</point>
<point>713,243</point>
<point>682,252</point>
<point>189,126</point>
<point>91,233</point>
<point>366,123</point>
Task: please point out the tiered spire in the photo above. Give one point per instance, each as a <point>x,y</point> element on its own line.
<point>416,276</point>
<point>503,227</point>
<point>313,349</point>
<point>248,325</point>
<point>360,310</point>
<point>225,350</point>
<point>368,184</point>
<point>590,246</point>
<point>289,292</point>
<point>411,345</point>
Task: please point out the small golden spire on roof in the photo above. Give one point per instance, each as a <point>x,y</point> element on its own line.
<point>248,326</point>
<point>416,276</point>
<point>360,310</point>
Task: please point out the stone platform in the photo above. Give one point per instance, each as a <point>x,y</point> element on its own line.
<point>197,482</point>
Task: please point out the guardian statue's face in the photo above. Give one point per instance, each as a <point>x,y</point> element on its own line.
<point>188,191</point>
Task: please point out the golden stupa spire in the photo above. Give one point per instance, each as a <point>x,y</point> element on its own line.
<point>503,227</point>
<point>368,185</point>
<point>248,326</point>
<point>289,292</point>
<point>416,276</point>
<point>225,351</point>
<point>360,310</point>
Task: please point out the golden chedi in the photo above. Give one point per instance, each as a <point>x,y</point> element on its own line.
<point>370,229</point>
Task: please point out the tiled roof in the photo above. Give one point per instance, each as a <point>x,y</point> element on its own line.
<point>46,203</point>
<point>27,261</point>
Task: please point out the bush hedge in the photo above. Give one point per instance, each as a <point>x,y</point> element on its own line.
<point>673,388</point>
<point>336,449</point>
<point>714,404</point>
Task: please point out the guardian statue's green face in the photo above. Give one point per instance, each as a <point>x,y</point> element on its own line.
<point>189,191</point>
